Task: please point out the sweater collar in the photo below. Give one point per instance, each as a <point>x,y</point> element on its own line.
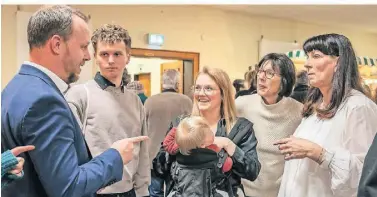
<point>104,83</point>
<point>277,107</point>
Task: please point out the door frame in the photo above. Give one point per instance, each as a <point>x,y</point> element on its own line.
<point>150,82</point>
<point>168,54</point>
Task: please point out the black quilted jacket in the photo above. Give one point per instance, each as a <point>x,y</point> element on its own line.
<point>245,159</point>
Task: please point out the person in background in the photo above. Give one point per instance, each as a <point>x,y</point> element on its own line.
<point>126,78</point>
<point>160,110</point>
<point>11,165</point>
<point>137,88</point>
<point>325,156</point>
<point>300,91</point>
<point>107,112</point>
<point>275,116</point>
<point>250,84</point>
<point>368,180</point>
<point>238,84</point>
<point>366,88</point>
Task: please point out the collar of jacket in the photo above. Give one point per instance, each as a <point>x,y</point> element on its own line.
<point>169,90</point>
<point>200,157</point>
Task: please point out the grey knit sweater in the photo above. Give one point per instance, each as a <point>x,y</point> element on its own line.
<point>271,123</point>
<point>113,115</point>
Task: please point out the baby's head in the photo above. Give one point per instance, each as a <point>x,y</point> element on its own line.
<point>193,132</point>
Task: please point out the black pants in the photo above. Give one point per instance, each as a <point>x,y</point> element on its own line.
<point>130,193</point>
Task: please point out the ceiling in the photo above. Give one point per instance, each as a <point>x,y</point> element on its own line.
<point>362,17</point>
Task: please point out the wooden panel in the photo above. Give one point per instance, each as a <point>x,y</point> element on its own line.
<point>145,79</point>
<point>177,65</point>
<point>179,55</point>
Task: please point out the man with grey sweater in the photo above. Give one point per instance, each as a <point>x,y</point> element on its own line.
<point>107,112</point>
<point>160,110</point>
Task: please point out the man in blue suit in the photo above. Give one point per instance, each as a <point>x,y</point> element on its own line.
<point>34,112</point>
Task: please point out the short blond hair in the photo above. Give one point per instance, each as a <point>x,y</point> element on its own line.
<point>191,133</point>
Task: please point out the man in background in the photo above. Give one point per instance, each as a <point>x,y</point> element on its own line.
<point>300,91</point>
<point>126,78</point>
<point>160,110</point>
<point>137,88</point>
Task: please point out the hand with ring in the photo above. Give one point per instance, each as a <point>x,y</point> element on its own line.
<point>298,148</point>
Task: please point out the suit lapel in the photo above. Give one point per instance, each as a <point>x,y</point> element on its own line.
<point>32,71</point>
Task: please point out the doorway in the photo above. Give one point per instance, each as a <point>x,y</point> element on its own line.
<point>145,79</point>
<point>186,63</point>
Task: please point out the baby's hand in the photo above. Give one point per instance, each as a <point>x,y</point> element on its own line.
<point>214,147</point>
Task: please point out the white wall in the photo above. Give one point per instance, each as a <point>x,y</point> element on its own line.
<point>272,46</point>
<point>139,65</point>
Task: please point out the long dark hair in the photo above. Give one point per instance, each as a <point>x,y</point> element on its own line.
<point>344,80</point>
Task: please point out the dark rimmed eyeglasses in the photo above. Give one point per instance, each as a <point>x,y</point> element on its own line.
<point>268,73</point>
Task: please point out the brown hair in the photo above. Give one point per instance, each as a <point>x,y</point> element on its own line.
<point>111,33</point>
<point>49,21</point>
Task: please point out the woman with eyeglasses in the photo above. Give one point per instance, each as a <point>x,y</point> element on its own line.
<point>214,101</point>
<point>275,116</point>
<point>325,155</point>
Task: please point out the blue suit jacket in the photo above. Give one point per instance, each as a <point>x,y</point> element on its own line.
<point>34,112</point>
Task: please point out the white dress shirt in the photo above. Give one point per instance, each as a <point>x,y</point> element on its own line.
<point>62,85</point>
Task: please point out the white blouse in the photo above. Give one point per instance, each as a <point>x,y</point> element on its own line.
<point>347,136</point>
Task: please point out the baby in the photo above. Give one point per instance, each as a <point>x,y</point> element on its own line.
<point>192,133</point>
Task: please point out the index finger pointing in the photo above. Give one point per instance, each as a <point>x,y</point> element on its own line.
<point>138,139</point>
<point>21,149</point>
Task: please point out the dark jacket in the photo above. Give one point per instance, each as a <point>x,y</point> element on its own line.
<point>368,181</point>
<point>246,92</point>
<point>192,174</point>
<point>34,112</point>
<point>300,93</point>
<point>245,159</point>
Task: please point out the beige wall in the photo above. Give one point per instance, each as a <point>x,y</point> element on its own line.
<point>226,40</point>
